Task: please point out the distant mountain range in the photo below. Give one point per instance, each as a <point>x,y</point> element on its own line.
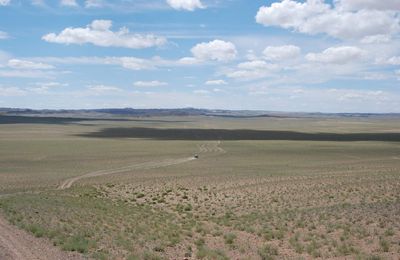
<point>131,112</point>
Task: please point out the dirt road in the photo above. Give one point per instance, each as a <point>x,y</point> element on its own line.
<point>16,244</point>
<point>209,147</point>
<point>140,166</point>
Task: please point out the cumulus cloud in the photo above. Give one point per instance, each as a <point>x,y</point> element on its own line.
<point>214,50</point>
<point>216,82</point>
<point>376,39</point>
<point>4,2</point>
<point>369,4</point>
<point>99,33</point>
<point>253,70</point>
<point>337,55</point>
<point>316,16</point>
<point>70,3</point>
<point>257,65</point>
<point>154,83</point>
<point>3,35</point>
<point>189,5</point>
<point>25,64</point>
<point>278,53</point>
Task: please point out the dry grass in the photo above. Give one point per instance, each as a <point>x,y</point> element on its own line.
<point>257,200</point>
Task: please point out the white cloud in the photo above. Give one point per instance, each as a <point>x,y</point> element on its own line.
<point>216,82</point>
<point>376,39</point>
<point>278,53</point>
<point>214,50</point>
<point>70,3</point>
<point>131,63</point>
<point>11,91</point>
<point>24,74</point>
<point>395,60</point>
<point>189,61</point>
<point>154,83</point>
<point>99,33</point>
<point>4,35</point>
<point>315,16</point>
<point>4,2</point>
<point>25,64</point>
<point>94,3</point>
<point>337,55</point>
<point>257,65</point>
<point>103,88</point>
<point>189,5</point>
<point>369,4</point>
<point>253,70</point>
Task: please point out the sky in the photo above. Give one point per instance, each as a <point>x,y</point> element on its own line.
<point>290,55</point>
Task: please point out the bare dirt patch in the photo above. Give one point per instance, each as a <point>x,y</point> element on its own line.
<point>17,244</point>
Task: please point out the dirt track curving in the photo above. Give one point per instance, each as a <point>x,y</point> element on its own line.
<point>210,147</point>
<point>16,244</point>
<point>140,166</point>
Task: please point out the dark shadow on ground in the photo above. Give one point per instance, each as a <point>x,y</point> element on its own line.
<point>71,120</point>
<point>239,134</point>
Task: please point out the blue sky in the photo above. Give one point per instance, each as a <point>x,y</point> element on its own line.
<point>314,55</point>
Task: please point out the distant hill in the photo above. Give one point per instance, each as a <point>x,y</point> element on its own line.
<point>131,112</point>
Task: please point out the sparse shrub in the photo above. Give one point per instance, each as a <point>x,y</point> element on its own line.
<point>268,252</point>
<point>389,232</point>
<point>76,243</point>
<point>36,230</point>
<point>159,248</point>
<point>229,238</point>
<point>207,253</point>
<point>199,242</point>
<point>384,244</point>
<point>151,256</point>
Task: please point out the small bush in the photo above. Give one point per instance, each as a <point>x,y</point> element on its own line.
<point>268,252</point>
<point>384,245</point>
<point>229,238</point>
<point>36,230</point>
<point>76,243</point>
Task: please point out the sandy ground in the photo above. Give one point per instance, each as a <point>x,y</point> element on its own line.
<point>16,244</point>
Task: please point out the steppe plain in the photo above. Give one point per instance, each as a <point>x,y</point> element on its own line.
<point>262,187</point>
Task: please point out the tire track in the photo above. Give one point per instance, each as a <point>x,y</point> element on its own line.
<point>211,147</point>
<point>140,166</point>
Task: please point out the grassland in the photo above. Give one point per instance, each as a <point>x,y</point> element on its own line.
<point>326,188</point>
